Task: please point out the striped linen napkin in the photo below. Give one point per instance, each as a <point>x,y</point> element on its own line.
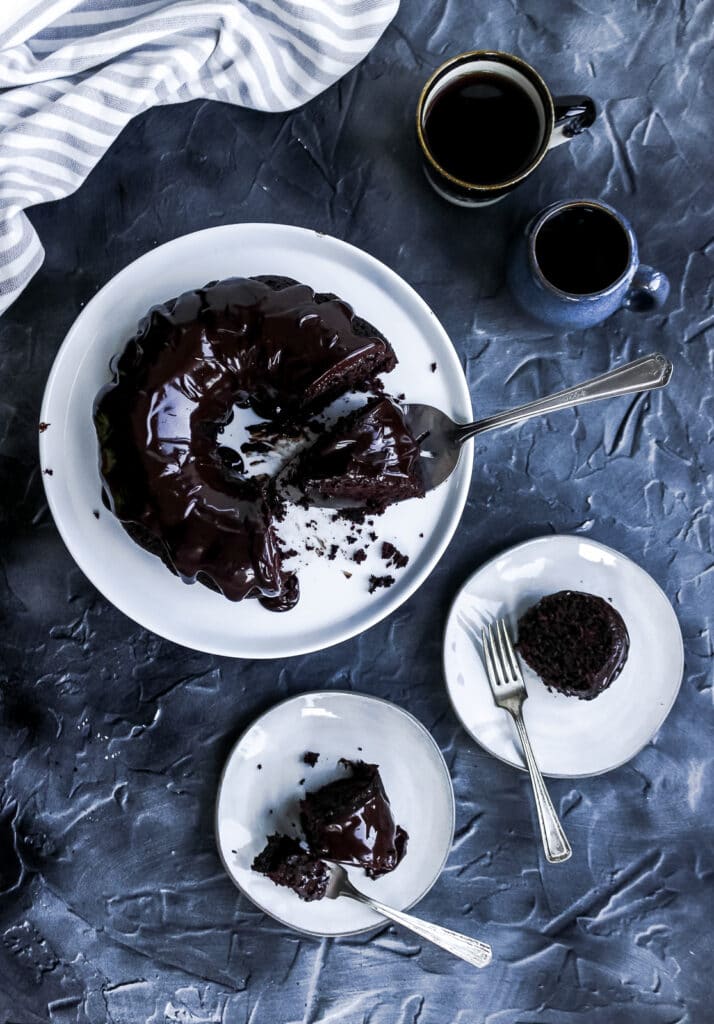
<point>72,74</point>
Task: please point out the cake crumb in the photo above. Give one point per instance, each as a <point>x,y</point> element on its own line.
<point>347,575</point>
<point>49,472</point>
<point>433,367</point>
<point>375,582</point>
<point>43,427</point>
<point>333,552</point>
<point>95,513</point>
<point>392,556</point>
<point>359,555</point>
<point>311,757</point>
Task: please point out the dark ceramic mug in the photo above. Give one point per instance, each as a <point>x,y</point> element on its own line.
<point>576,262</point>
<point>556,120</point>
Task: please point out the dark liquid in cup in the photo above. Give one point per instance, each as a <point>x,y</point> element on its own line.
<point>483,128</point>
<point>582,249</point>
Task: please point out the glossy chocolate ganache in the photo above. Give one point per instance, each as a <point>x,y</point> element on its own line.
<point>351,821</point>
<point>267,343</point>
<point>577,643</point>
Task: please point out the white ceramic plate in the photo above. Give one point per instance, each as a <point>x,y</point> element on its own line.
<point>335,724</point>
<point>332,607</point>
<point>570,737</point>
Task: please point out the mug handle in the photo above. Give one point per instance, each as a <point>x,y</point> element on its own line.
<point>649,290</point>
<point>573,114</point>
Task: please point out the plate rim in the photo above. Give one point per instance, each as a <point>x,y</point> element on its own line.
<point>454,509</point>
<point>360,696</point>
<point>544,538</point>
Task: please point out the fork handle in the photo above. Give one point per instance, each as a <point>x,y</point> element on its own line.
<point>474,952</point>
<point>651,371</point>
<point>555,842</point>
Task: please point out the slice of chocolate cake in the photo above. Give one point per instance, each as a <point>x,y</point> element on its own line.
<point>286,862</point>
<point>577,643</point>
<point>369,459</point>
<point>350,820</point>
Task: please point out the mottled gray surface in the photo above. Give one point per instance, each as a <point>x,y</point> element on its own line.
<point>115,907</point>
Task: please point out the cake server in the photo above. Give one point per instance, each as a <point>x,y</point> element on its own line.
<point>471,950</point>
<point>441,439</point>
<point>509,692</point>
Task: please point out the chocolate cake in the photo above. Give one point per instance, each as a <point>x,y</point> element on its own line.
<point>350,820</point>
<point>286,862</point>
<point>369,459</point>
<point>577,643</point>
<point>268,343</point>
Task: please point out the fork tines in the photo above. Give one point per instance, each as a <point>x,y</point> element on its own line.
<point>500,657</point>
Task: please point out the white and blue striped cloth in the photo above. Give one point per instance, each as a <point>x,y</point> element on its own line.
<point>72,74</point>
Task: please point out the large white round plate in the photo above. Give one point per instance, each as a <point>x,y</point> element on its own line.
<point>332,607</point>
<point>335,724</point>
<point>570,737</point>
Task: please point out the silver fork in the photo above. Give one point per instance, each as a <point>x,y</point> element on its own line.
<point>471,950</point>
<point>509,692</point>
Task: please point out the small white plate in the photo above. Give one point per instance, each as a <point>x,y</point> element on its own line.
<point>570,737</point>
<point>335,724</point>
<point>332,606</point>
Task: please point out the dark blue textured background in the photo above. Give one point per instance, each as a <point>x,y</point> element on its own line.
<point>114,905</point>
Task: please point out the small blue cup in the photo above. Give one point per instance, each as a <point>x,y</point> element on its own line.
<point>576,262</point>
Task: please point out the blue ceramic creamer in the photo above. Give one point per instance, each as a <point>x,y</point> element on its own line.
<point>576,262</point>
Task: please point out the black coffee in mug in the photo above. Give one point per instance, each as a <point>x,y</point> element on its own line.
<point>483,128</point>
<point>582,249</point>
<point>485,120</point>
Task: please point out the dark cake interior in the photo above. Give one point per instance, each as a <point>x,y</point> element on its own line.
<point>350,820</point>
<point>368,459</point>
<point>287,862</point>
<point>267,342</point>
<point>577,643</point>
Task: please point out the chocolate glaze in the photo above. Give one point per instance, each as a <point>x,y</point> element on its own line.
<point>286,862</point>
<point>369,459</point>
<point>268,343</point>
<point>350,820</point>
<point>577,643</point>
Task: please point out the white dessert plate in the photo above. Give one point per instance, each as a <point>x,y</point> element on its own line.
<point>570,737</point>
<point>263,773</point>
<point>333,605</point>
